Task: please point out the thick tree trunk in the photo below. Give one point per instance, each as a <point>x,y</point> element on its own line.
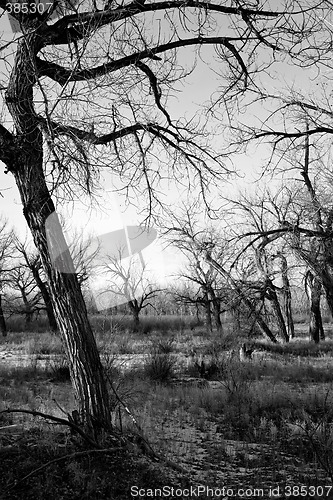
<point>86,369</point>
<point>71,314</point>
<point>313,289</point>
<point>217,318</point>
<point>273,298</point>
<point>3,326</point>
<point>216,303</point>
<point>136,320</point>
<point>208,312</point>
<point>328,287</point>
<point>135,309</point>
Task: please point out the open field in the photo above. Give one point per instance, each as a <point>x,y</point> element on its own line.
<point>261,424</point>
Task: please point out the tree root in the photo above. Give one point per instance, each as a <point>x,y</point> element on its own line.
<point>61,421</point>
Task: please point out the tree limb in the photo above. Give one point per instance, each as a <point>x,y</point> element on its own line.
<point>63,76</point>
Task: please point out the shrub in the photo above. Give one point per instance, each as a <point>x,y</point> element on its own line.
<point>159,366</point>
<point>59,369</point>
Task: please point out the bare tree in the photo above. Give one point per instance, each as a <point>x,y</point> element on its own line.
<point>305,222</point>
<point>6,254</point>
<point>109,54</point>
<point>212,291</point>
<point>210,249</point>
<point>256,213</point>
<point>286,291</point>
<point>29,299</point>
<point>130,282</point>
<point>32,261</point>
<point>187,295</point>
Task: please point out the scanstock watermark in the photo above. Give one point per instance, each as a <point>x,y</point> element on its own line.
<point>51,10</point>
<point>286,491</point>
<point>125,246</point>
<point>197,491</point>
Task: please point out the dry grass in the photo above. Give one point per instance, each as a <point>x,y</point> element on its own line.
<point>269,414</point>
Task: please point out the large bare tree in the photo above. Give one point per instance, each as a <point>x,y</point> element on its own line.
<point>90,90</point>
<point>212,255</point>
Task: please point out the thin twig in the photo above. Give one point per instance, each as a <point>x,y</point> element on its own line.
<point>58,420</point>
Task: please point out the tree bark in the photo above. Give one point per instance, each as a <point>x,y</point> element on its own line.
<point>86,369</point>
<point>208,313</point>
<point>217,317</point>
<point>3,326</point>
<point>313,289</point>
<point>216,303</point>
<point>273,298</point>
<point>135,309</point>
<point>287,296</point>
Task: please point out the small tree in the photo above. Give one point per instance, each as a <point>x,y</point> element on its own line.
<point>129,282</point>
<point>32,261</point>
<point>29,299</point>
<point>6,255</point>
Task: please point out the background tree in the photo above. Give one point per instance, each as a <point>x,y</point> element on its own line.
<point>28,299</point>
<point>297,125</point>
<point>211,251</point>
<point>6,254</point>
<point>303,220</point>
<point>129,282</point>
<point>211,291</point>
<point>31,260</point>
<point>258,216</point>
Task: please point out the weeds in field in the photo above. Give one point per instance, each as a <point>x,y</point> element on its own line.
<point>262,401</point>
<point>59,369</point>
<point>160,363</point>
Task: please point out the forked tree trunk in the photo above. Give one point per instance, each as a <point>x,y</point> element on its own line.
<point>26,164</point>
